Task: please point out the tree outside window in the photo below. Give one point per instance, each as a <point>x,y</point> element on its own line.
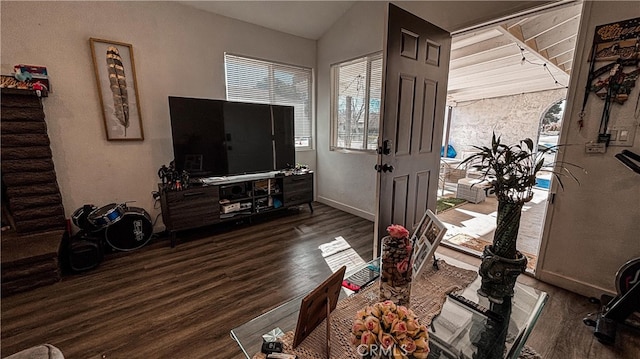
<point>356,97</point>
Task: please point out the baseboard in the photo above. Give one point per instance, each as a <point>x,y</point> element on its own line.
<point>347,208</point>
<point>573,285</point>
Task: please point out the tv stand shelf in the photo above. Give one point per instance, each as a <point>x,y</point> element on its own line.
<point>233,198</point>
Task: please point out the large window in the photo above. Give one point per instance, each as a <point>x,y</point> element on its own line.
<point>252,80</point>
<point>355,102</point>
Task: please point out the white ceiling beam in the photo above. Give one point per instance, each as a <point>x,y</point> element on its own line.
<point>482,46</point>
<point>521,21</point>
<point>510,52</point>
<point>500,63</point>
<point>467,39</point>
<point>505,73</point>
<point>531,46</point>
<point>565,58</point>
<point>550,22</point>
<point>457,97</point>
<point>511,75</point>
<point>560,33</point>
<point>568,66</point>
<point>562,48</point>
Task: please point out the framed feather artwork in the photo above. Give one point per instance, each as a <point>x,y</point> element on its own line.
<point>118,89</point>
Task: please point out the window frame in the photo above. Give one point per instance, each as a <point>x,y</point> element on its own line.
<point>311,72</point>
<point>369,58</point>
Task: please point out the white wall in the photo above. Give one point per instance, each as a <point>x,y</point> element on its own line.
<point>178,51</point>
<point>595,227</point>
<point>346,180</point>
<point>512,117</point>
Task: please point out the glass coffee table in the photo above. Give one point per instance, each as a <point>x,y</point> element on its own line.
<point>457,332</point>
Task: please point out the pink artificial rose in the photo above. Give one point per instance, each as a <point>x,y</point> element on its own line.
<point>402,312</point>
<point>422,343</point>
<point>358,327</point>
<point>408,345</point>
<point>397,231</point>
<point>403,266</point>
<point>372,324</point>
<point>375,310</point>
<point>386,340</point>
<point>388,305</point>
<point>368,338</point>
<point>398,327</point>
<point>413,327</point>
<point>389,318</point>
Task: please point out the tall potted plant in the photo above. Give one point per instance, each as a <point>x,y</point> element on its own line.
<point>511,172</point>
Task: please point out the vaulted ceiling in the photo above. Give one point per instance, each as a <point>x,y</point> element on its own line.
<point>520,55</point>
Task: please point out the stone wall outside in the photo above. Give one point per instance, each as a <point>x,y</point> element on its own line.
<point>513,117</point>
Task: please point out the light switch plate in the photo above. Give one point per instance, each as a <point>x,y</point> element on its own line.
<point>622,135</point>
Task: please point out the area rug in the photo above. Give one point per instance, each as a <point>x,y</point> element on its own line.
<point>428,295</point>
<point>478,244</point>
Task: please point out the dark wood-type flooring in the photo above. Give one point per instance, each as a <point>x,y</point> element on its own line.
<point>159,302</point>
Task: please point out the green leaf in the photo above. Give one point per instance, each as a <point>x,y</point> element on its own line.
<point>529,143</point>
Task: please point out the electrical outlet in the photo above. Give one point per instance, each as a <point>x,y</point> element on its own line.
<point>595,147</point>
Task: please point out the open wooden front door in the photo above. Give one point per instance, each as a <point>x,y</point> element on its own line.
<point>416,62</point>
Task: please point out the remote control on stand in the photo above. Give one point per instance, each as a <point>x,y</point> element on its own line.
<point>476,307</point>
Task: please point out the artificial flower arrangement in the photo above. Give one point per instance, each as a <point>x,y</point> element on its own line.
<point>387,330</point>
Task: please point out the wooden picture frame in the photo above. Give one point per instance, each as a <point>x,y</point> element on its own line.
<point>427,238</point>
<point>118,89</point>
<point>317,305</point>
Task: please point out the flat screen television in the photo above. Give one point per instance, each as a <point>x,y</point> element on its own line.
<point>220,138</point>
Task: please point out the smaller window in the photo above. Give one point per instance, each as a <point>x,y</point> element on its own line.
<point>355,102</point>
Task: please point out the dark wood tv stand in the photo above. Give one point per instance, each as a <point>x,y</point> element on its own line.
<point>233,198</point>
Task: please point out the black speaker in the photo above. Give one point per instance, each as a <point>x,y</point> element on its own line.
<point>85,251</point>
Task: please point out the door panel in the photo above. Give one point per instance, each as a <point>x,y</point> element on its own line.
<point>422,192</point>
<point>416,66</point>
<point>428,116</point>
<point>404,119</point>
<point>400,191</point>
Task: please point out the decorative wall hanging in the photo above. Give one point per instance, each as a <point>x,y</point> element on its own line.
<point>614,67</point>
<point>118,89</point>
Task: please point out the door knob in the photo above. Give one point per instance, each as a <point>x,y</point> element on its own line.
<point>383,168</point>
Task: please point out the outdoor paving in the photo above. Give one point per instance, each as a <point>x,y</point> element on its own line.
<point>479,221</point>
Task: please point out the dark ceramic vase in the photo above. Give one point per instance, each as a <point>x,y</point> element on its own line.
<point>501,262</point>
<point>499,274</point>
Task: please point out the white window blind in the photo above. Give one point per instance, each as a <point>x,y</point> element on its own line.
<point>356,96</point>
<point>253,80</point>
